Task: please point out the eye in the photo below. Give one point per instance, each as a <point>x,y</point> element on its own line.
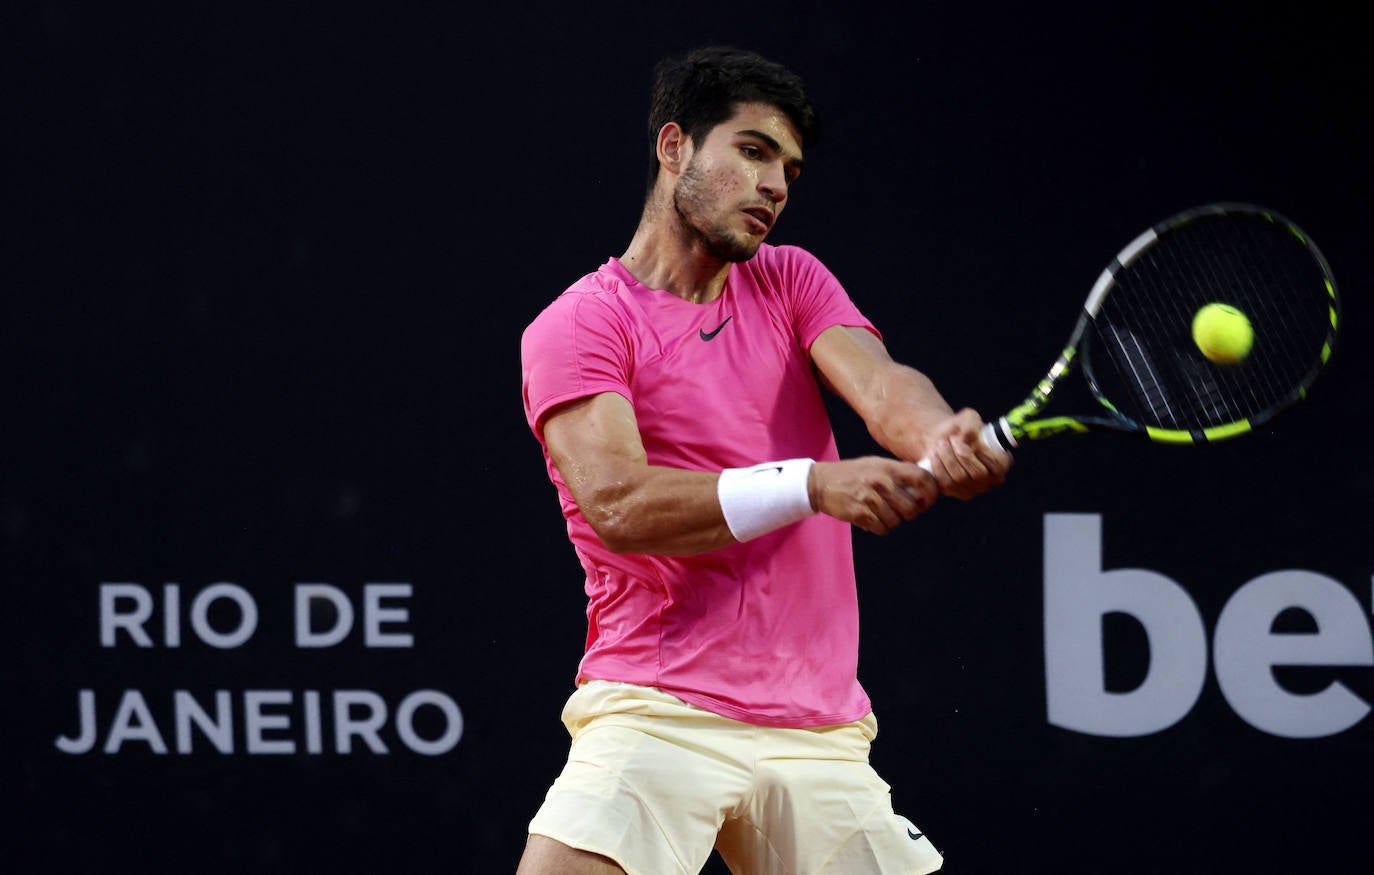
<point>753,152</point>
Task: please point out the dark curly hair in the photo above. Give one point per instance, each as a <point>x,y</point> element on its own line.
<point>703,88</point>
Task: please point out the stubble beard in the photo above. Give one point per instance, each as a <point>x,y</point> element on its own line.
<point>691,201</point>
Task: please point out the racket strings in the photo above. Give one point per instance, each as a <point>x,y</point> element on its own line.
<point>1141,357</point>
<point>1133,360</point>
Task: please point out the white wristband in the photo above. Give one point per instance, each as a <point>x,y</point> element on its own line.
<point>758,500</point>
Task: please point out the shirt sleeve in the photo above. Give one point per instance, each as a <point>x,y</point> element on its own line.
<point>817,298</point>
<point>574,349</point>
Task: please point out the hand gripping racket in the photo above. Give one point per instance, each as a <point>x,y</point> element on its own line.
<point>1135,346</point>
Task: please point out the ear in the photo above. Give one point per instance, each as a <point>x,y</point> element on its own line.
<point>674,148</point>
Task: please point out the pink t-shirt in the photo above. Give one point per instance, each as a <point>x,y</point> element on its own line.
<point>767,631</point>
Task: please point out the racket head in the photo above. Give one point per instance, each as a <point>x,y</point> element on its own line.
<point>1135,341</point>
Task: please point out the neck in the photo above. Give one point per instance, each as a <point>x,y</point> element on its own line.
<point>665,255</point>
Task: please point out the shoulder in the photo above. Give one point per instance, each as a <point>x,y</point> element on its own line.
<point>790,271</point>
<point>591,318</point>
<point>596,292</point>
<point>784,258</point>
<point>598,287</point>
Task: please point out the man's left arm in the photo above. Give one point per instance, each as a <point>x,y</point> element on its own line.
<point>905,413</point>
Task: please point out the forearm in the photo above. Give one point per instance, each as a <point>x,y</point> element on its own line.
<point>633,506</point>
<point>656,510</point>
<point>636,507</point>
<point>899,405</point>
<point>904,412</point>
<point>668,513</point>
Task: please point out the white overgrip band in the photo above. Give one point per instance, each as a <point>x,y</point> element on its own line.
<point>758,500</point>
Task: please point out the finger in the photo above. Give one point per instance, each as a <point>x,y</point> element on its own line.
<point>909,491</point>
<point>967,458</point>
<point>969,425</point>
<point>995,459</point>
<point>953,462</point>
<point>910,501</point>
<point>887,517</point>
<point>918,482</point>
<point>963,469</point>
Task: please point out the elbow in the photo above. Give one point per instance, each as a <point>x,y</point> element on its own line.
<point>615,539</point>
<point>613,527</point>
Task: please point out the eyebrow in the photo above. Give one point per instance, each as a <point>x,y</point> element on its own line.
<point>773,144</point>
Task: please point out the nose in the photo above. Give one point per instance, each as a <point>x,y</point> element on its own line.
<point>773,184</point>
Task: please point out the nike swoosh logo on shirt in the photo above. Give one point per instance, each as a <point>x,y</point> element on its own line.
<point>710,335</point>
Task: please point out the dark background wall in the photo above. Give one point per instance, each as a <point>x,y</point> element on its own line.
<point>266,271</point>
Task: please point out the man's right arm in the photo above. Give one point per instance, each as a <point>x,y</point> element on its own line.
<point>635,507</point>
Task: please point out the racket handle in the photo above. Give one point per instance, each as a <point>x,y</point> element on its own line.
<point>992,436</point>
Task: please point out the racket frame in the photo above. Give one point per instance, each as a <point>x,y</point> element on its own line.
<point>1020,423</point>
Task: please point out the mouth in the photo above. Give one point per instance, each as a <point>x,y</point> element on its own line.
<point>760,219</point>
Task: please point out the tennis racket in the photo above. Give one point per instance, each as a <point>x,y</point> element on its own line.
<point>1134,342</point>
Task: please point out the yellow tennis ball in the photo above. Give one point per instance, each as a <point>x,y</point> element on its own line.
<point>1223,333</point>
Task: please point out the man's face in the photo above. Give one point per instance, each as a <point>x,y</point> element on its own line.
<point>735,183</point>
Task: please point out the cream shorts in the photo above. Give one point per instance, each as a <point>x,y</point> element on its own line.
<point>654,783</point>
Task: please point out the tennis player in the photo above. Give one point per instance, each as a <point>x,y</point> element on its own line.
<point>677,394</point>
